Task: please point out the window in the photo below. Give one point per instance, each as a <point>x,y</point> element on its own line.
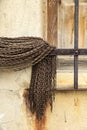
<point>67,27</point>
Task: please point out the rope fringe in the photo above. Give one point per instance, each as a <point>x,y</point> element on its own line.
<point>19,53</point>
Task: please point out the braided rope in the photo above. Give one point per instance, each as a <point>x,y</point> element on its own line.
<point>19,53</point>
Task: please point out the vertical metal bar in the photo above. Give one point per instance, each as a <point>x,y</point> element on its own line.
<point>76,17</point>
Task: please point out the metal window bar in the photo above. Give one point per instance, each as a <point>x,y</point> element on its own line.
<point>76,16</point>
<point>76,52</point>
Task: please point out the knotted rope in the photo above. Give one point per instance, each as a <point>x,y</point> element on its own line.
<point>19,53</point>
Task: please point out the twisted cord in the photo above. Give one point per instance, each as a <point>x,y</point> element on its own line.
<point>19,53</point>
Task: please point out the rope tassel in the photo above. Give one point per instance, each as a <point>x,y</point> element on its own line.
<point>19,53</point>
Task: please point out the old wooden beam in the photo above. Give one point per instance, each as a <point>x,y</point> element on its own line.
<point>52,22</point>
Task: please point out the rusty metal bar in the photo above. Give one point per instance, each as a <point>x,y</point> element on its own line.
<point>76,15</point>
<point>69,52</point>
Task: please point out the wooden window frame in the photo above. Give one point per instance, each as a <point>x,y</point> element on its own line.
<point>52,39</point>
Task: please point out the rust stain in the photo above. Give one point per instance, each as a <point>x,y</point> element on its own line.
<point>25,95</point>
<point>77,106</point>
<point>76,102</point>
<point>59,1</point>
<point>69,19</point>
<point>38,124</point>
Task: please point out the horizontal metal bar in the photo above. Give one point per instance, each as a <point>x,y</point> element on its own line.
<point>82,51</point>
<point>62,52</point>
<point>68,89</point>
<point>65,89</point>
<point>69,52</point>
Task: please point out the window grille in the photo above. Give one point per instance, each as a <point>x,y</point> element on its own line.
<point>75,52</point>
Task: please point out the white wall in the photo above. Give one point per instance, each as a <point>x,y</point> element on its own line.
<point>18,18</point>
<point>21,18</point>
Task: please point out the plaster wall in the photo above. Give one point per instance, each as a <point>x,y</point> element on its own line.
<point>28,18</point>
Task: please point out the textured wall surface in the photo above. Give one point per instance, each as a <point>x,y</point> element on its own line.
<point>12,107</point>
<point>28,18</point>
<point>22,18</point>
<point>18,18</point>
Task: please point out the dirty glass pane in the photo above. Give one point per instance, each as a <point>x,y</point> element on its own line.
<point>82,23</point>
<point>66,40</point>
<point>65,69</point>
<point>82,75</point>
<point>65,24</point>
<point>65,64</point>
